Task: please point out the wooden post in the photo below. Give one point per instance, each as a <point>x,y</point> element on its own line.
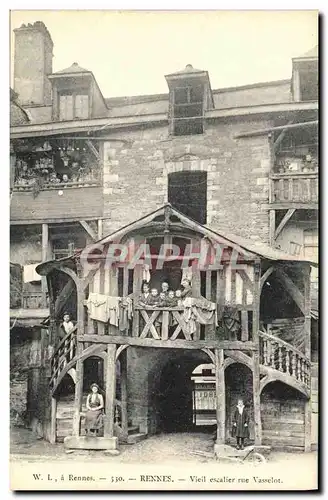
<point>256,399</point>
<point>110,391</point>
<point>307,312</point>
<point>53,422</point>
<point>100,228</point>
<point>256,302</point>
<point>45,244</point>
<point>307,425</point>
<point>272,225</point>
<point>124,391</point>
<point>78,393</point>
<point>220,395</point>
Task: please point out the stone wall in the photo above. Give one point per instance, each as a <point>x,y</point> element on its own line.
<point>136,170</point>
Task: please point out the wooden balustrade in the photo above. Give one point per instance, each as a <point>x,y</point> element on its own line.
<point>281,356</point>
<point>34,300</point>
<point>165,323</point>
<point>301,188</point>
<point>64,353</point>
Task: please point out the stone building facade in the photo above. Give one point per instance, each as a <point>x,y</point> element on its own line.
<point>242,161</point>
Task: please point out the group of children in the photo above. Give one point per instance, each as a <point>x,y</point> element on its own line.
<point>166,297</point>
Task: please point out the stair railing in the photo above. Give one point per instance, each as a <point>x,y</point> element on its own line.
<point>279,355</point>
<point>64,353</point>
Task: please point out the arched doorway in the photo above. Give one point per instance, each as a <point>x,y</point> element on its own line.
<point>239,384</point>
<point>172,394</point>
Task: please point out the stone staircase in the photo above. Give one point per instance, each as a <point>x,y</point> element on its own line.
<point>64,422</point>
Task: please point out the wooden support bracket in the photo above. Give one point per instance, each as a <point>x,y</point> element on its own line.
<point>284,221</point>
<point>89,230</point>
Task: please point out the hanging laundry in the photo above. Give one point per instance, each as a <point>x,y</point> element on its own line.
<point>146,273</point>
<point>126,313</point>
<point>30,274</point>
<point>198,310</point>
<point>104,308</point>
<point>113,304</point>
<point>186,274</point>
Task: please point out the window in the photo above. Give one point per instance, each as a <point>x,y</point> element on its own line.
<point>187,192</point>
<point>295,248</point>
<point>311,244</point>
<point>73,106</point>
<point>311,250</point>
<point>187,114</point>
<point>309,85</point>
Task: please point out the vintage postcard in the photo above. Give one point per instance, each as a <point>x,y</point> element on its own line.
<point>164,250</point>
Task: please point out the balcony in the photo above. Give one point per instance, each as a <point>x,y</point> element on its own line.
<point>295,182</point>
<point>56,179</point>
<point>295,189</point>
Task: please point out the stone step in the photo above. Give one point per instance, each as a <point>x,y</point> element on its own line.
<point>136,438</point>
<point>133,429</point>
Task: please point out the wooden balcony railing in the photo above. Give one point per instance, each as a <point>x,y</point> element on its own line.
<point>165,323</point>
<point>299,188</point>
<point>284,357</point>
<point>34,300</point>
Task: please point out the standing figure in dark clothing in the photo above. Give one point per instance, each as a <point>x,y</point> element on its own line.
<point>186,289</point>
<point>240,424</point>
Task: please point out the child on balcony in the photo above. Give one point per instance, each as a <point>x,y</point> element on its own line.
<point>144,299</point>
<point>154,298</point>
<point>178,297</point>
<point>67,325</point>
<point>171,300</point>
<point>162,302</point>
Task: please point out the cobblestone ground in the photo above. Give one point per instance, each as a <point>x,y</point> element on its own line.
<point>160,449</point>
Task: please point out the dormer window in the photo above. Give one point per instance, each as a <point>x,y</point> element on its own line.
<point>76,95</point>
<point>188,110</point>
<point>190,97</point>
<point>305,76</point>
<point>73,106</point>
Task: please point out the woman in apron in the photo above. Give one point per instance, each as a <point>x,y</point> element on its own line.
<point>94,415</point>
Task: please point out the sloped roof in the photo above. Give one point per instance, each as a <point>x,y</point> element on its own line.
<point>250,249</point>
<point>188,70</point>
<point>75,68</point>
<point>310,54</point>
<point>18,115</point>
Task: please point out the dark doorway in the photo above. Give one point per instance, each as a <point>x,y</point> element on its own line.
<point>93,373</point>
<point>175,397</point>
<point>187,191</point>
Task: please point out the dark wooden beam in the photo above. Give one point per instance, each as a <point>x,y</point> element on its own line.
<point>280,137</point>
<point>89,230</point>
<point>168,344</point>
<point>220,395</point>
<point>110,391</point>
<point>290,212</point>
<point>45,257</point>
<point>256,399</point>
<point>293,204</point>
<point>272,224</point>
<point>93,150</point>
<point>291,288</point>
<point>265,276</point>
<point>307,311</point>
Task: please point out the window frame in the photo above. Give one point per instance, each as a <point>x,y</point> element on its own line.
<point>74,94</point>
